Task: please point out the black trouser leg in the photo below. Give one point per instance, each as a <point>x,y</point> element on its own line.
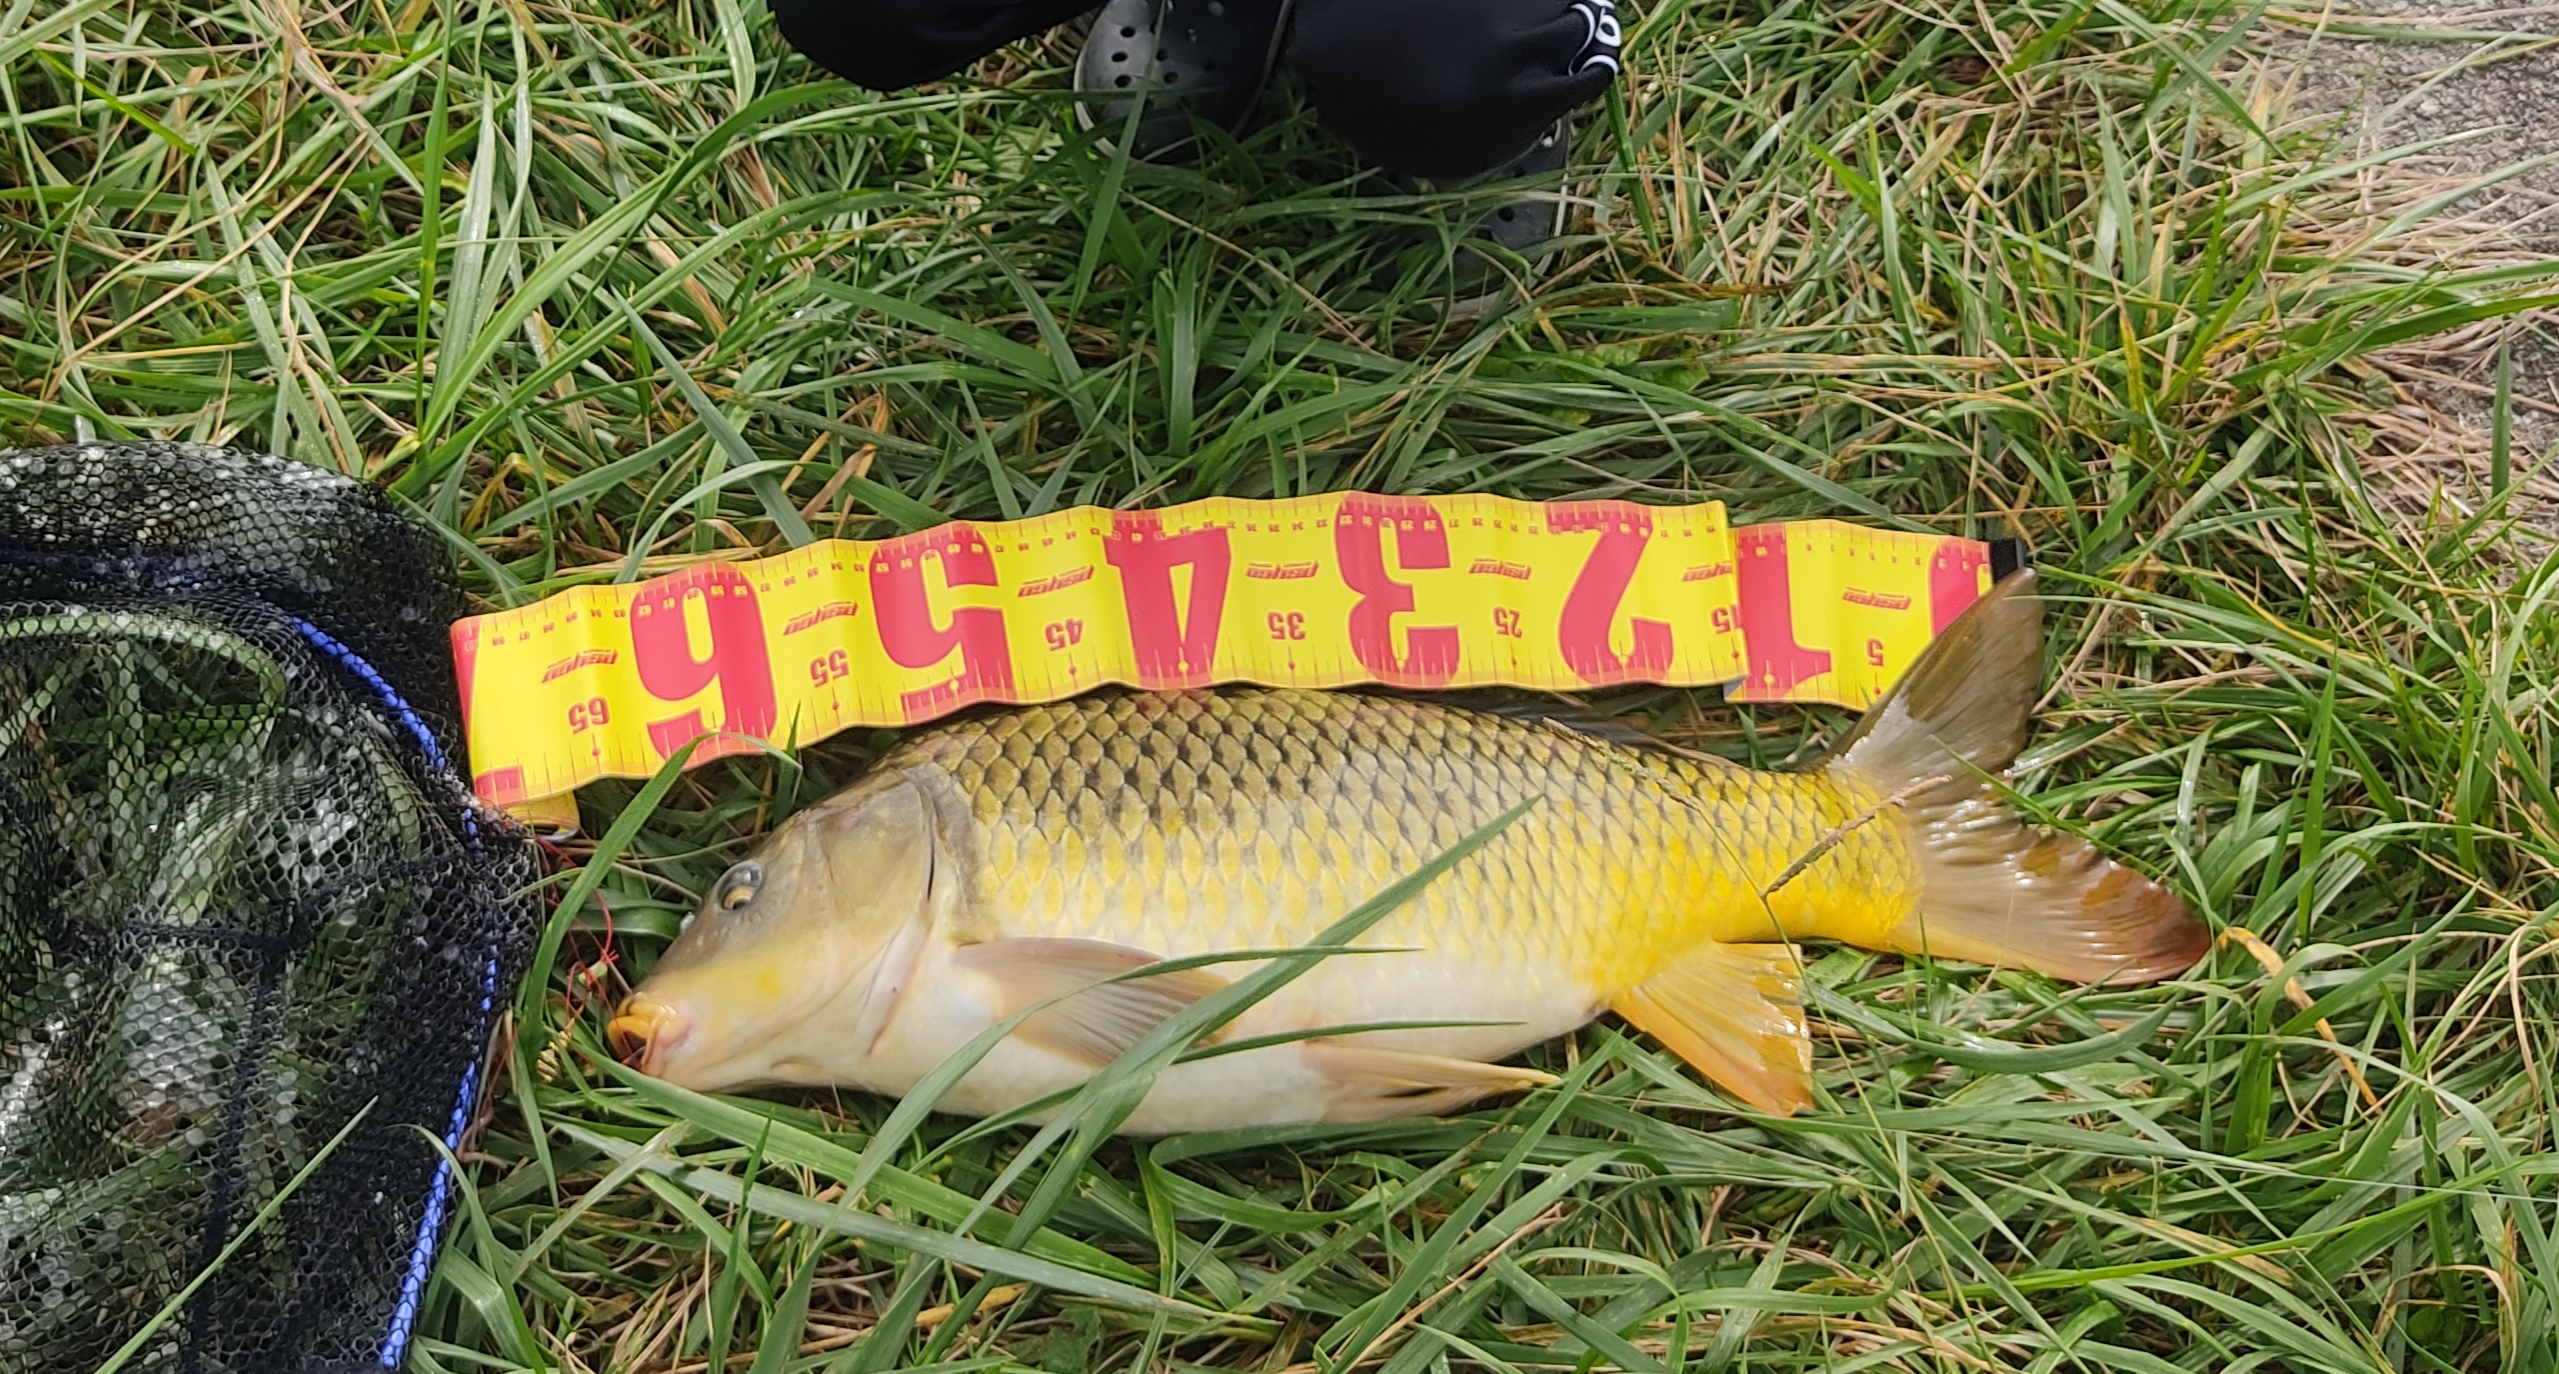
<point>1449,88</point>
<point>891,44</point>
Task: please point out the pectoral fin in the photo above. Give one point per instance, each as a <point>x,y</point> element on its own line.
<point>1097,1024</point>
<point>1372,1085</point>
<point>1735,1012</point>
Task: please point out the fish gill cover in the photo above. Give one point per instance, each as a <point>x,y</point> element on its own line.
<point>253,929</point>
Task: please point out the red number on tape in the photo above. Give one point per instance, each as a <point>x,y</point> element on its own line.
<point>1591,607</point>
<point>1776,662</point>
<point>912,639</point>
<point>1173,648</point>
<point>662,648</point>
<point>1359,541</point>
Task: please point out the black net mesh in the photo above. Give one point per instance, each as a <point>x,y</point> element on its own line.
<point>245,901</point>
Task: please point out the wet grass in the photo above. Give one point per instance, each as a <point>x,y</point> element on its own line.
<point>610,289</point>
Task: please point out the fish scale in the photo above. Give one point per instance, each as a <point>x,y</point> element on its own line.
<point>1255,819</point>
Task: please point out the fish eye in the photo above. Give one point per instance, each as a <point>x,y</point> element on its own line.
<point>738,886</point>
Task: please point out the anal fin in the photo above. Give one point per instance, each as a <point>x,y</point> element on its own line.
<point>1098,1023</point>
<point>1735,1013</point>
<point>1373,1084</point>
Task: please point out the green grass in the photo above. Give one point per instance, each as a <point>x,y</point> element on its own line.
<point>562,275</point>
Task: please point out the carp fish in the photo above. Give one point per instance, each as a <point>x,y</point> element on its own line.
<point>990,865</point>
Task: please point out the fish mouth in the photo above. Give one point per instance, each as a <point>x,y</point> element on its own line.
<point>647,1030</point>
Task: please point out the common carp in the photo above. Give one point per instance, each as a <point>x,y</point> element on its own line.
<point>989,865</point>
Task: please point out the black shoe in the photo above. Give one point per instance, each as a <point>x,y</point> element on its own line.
<point>1485,260</point>
<point>1537,218</point>
<point>1191,59</point>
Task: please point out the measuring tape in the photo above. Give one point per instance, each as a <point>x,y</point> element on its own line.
<point>1318,591</point>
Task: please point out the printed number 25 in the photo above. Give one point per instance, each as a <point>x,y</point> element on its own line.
<point>1506,624</point>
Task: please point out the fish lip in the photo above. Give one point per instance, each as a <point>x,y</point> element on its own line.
<point>650,1028</point>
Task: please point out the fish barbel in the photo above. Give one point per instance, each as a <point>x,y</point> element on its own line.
<point>990,865</point>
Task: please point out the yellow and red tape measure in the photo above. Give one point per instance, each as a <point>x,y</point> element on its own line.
<point>1318,591</point>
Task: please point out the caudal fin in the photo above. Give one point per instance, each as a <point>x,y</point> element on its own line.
<point>1990,890</point>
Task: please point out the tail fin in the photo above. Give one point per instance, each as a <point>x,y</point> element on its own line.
<point>1990,890</point>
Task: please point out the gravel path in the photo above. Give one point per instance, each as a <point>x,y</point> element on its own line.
<point>2417,70</point>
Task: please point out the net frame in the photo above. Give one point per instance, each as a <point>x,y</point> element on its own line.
<point>394,950</point>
